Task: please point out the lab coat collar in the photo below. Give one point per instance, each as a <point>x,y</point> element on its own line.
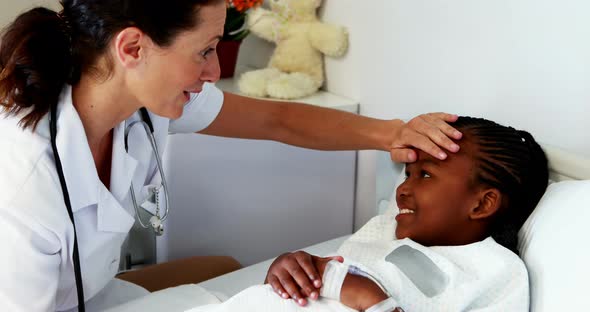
<point>122,163</point>
<point>84,186</point>
<point>76,158</point>
<point>111,216</point>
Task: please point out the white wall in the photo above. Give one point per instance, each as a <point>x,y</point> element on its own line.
<point>525,63</point>
<point>342,73</point>
<point>10,9</point>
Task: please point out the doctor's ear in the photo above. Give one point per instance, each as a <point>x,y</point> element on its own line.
<point>489,202</point>
<point>130,46</point>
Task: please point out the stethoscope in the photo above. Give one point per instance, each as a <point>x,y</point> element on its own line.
<point>155,220</point>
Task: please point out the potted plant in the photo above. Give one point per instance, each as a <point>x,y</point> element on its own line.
<point>234,32</point>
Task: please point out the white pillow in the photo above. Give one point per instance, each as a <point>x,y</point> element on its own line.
<point>554,244</point>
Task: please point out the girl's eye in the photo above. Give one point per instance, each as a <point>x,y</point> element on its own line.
<point>425,174</point>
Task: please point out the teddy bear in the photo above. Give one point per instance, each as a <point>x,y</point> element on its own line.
<point>296,66</point>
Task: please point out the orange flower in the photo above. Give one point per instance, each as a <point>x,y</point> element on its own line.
<point>235,28</point>
<point>243,5</point>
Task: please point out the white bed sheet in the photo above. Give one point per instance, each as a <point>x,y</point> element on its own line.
<point>181,298</point>
<point>234,282</point>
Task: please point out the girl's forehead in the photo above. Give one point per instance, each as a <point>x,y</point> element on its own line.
<point>464,158</point>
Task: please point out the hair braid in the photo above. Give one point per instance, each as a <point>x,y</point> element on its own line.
<point>514,163</point>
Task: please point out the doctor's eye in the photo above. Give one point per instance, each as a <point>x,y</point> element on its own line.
<point>207,52</point>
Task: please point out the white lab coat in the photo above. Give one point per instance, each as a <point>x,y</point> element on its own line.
<point>36,266</point>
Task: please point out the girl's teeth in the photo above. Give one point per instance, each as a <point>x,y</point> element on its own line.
<point>406,211</point>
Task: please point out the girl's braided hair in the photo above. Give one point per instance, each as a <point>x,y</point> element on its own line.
<point>513,162</point>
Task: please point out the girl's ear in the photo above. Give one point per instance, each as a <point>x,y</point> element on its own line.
<point>489,203</point>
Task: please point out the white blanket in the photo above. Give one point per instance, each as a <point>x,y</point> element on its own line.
<point>261,298</point>
<point>483,276</point>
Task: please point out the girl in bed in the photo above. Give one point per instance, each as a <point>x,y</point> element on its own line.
<point>455,239</point>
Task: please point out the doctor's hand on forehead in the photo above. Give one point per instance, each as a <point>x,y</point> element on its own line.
<point>428,132</point>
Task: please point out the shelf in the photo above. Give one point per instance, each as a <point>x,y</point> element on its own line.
<point>320,98</point>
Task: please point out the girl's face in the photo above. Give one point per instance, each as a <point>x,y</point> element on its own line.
<point>170,74</point>
<point>436,198</point>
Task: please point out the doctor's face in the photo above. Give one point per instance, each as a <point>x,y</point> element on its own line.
<point>436,198</point>
<point>171,73</point>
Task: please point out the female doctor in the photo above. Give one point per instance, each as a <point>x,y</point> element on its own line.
<point>93,66</point>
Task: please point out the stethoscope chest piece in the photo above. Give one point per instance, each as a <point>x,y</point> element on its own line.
<point>156,224</point>
<point>156,220</point>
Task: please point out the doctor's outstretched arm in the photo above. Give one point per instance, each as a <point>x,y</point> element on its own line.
<point>329,129</point>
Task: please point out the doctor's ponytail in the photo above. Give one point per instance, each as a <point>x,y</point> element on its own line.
<point>35,63</point>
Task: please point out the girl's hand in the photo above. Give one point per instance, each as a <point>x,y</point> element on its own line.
<point>296,275</point>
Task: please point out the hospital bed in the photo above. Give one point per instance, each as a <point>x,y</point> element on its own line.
<point>553,242</point>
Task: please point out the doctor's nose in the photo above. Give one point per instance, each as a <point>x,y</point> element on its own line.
<point>211,72</point>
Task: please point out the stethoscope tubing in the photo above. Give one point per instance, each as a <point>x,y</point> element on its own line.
<point>148,127</point>
<point>155,150</point>
<point>64,188</point>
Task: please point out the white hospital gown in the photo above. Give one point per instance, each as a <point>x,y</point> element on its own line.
<point>482,276</point>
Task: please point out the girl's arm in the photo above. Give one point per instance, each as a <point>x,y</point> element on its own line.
<point>356,292</point>
<point>360,293</point>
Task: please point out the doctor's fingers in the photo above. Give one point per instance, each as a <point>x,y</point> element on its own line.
<point>441,121</point>
<point>434,131</point>
<point>400,150</point>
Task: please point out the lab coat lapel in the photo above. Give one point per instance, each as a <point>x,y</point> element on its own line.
<point>111,216</point>
<point>84,186</point>
<point>123,168</point>
<point>75,155</point>
<point>123,165</point>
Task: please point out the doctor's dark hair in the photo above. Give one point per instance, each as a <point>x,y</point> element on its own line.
<point>513,162</point>
<point>42,50</point>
